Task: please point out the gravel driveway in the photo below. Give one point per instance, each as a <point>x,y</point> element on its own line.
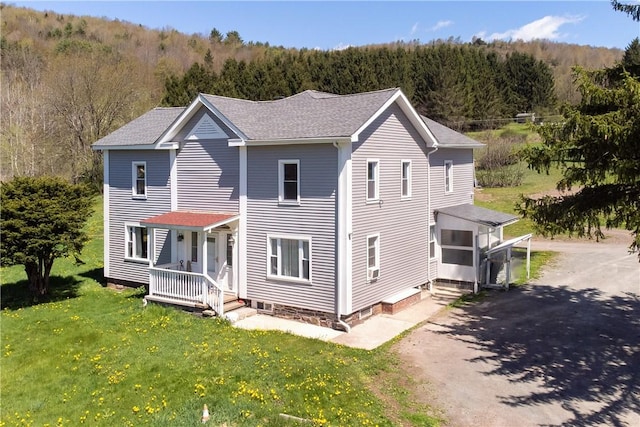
<point>564,350</point>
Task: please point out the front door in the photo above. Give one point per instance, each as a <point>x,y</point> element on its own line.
<point>212,256</point>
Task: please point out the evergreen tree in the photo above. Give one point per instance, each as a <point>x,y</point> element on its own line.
<point>598,149</point>
<point>42,219</point>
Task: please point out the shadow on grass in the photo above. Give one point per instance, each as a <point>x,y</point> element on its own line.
<point>96,274</point>
<point>16,295</point>
<point>583,346</point>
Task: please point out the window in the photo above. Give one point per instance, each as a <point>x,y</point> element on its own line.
<point>373,257</point>
<point>289,258</point>
<point>457,247</point>
<point>432,241</point>
<point>448,176</point>
<point>136,243</point>
<point>194,246</point>
<point>289,181</point>
<point>139,180</point>
<point>405,179</point>
<point>373,176</point>
<point>229,250</point>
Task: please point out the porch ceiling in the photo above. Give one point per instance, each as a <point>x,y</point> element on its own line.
<point>197,221</point>
<point>479,215</point>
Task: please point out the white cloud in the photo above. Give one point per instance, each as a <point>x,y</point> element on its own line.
<point>441,24</point>
<point>543,28</point>
<point>342,46</point>
<point>414,29</point>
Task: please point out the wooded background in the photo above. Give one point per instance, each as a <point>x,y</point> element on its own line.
<point>67,81</point>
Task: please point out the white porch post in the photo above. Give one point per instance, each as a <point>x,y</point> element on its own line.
<point>151,253</point>
<point>528,257</point>
<point>508,267</point>
<point>205,268</point>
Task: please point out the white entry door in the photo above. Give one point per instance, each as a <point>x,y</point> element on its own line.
<point>212,256</point>
<point>226,267</point>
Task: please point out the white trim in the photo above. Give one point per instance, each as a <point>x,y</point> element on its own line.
<point>126,243</point>
<point>344,225</point>
<point>105,213</point>
<point>241,242</point>
<point>448,176</point>
<point>377,181</point>
<point>134,180</point>
<point>373,272</point>
<point>296,237</point>
<point>173,189</point>
<point>168,145</point>
<point>291,141</point>
<point>281,165</point>
<point>409,179</point>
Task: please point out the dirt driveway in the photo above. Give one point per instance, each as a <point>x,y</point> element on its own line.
<point>564,350</point>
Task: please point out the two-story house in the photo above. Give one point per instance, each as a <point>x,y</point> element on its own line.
<point>317,206</point>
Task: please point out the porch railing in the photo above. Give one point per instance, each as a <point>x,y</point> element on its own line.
<point>186,286</point>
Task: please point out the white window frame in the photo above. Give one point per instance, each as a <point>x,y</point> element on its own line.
<point>278,256</point>
<point>446,247</point>
<point>281,166</point>
<point>128,239</point>
<point>373,271</point>
<point>376,179</point>
<point>448,176</point>
<point>407,178</point>
<point>134,180</point>
<point>433,239</point>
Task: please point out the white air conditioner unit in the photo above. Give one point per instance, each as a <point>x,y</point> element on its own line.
<point>374,273</point>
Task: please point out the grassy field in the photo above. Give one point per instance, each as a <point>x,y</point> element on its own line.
<point>94,356</point>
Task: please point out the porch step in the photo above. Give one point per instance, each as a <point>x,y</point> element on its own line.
<point>448,295</point>
<point>240,313</point>
<point>171,301</point>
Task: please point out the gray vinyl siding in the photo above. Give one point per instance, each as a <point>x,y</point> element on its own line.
<point>462,178</point>
<point>124,209</point>
<point>315,216</point>
<point>208,171</point>
<point>402,224</point>
<point>462,184</point>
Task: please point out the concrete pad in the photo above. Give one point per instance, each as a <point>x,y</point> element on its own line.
<point>272,323</point>
<point>368,335</point>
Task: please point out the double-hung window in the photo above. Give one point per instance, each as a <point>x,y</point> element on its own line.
<point>457,247</point>
<point>289,181</point>
<point>136,243</point>
<point>432,241</point>
<point>448,176</point>
<point>289,258</point>
<point>139,180</point>
<point>405,179</point>
<point>373,257</point>
<point>373,179</point>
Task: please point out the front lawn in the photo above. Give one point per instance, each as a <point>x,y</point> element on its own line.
<point>94,356</point>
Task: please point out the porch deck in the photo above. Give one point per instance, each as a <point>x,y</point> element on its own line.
<point>171,285</point>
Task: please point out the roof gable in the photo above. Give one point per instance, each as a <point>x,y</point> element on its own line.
<point>206,128</point>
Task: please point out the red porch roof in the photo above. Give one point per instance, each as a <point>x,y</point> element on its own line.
<point>192,220</point>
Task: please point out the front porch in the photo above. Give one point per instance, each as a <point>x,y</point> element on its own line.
<point>201,272</point>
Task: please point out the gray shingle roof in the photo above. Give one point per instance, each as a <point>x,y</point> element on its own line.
<point>144,130</point>
<point>448,137</point>
<point>310,114</point>
<point>479,215</point>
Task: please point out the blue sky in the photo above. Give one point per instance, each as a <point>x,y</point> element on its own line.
<point>337,24</point>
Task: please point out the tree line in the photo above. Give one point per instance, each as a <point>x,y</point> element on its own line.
<point>458,85</point>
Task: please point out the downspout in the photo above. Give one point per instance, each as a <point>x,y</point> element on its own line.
<point>429,153</point>
<point>341,322</point>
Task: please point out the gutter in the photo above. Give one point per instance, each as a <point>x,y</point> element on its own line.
<point>435,148</point>
<point>342,323</point>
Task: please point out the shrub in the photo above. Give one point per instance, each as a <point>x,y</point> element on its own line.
<point>497,154</point>
<point>505,176</point>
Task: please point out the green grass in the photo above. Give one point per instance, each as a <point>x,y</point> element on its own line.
<point>93,356</point>
<point>538,260</point>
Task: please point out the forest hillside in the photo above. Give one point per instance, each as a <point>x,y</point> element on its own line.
<point>69,80</point>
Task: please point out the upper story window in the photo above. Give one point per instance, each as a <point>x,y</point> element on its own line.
<point>289,181</point>
<point>405,180</point>
<point>139,180</point>
<point>289,258</point>
<point>373,257</point>
<point>136,243</point>
<point>448,176</point>
<point>373,179</point>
